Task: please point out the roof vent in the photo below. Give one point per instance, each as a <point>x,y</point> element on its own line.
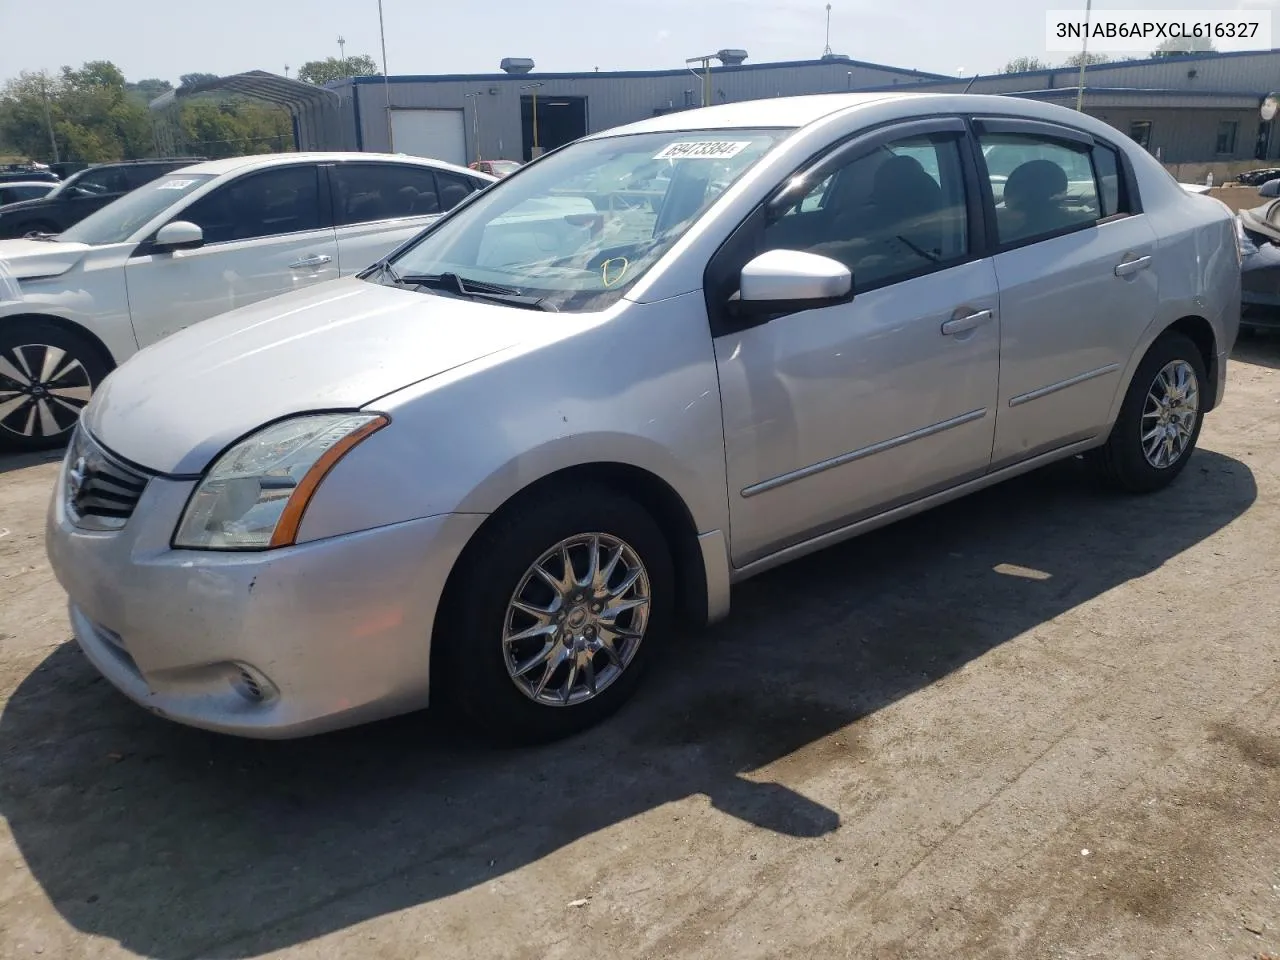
<point>731,58</point>
<point>836,57</point>
<point>516,65</point>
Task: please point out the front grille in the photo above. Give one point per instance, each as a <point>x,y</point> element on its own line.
<point>101,492</point>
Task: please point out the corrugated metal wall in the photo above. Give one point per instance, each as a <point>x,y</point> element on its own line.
<point>611,100</point>
<point>1185,130</point>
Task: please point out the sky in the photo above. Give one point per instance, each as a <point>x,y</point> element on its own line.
<point>147,38</point>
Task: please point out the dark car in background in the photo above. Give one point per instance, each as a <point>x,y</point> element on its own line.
<point>15,172</point>
<point>17,190</point>
<point>81,194</point>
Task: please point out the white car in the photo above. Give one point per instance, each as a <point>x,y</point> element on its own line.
<point>198,242</point>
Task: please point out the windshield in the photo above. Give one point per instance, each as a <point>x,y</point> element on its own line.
<point>576,230</point>
<point>120,219</point>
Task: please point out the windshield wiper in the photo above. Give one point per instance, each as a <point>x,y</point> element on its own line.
<point>475,289</point>
<point>383,268</point>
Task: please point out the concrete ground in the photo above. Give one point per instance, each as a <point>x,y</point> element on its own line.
<point>1040,723</point>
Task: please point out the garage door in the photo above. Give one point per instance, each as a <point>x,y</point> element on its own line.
<point>438,134</point>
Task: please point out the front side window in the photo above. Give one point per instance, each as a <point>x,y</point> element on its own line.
<point>271,203</point>
<point>122,218</point>
<point>896,212</point>
<point>365,192</point>
<point>1040,186</point>
<point>578,228</point>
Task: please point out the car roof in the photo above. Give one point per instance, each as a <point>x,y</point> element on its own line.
<point>263,161</point>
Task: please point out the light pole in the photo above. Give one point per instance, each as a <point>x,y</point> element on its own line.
<point>386,84</point>
<point>342,50</point>
<point>48,117</point>
<point>475,119</point>
<point>1084,58</point>
<point>536,151</point>
<point>705,77</point>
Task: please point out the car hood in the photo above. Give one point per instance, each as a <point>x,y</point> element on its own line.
<point>40,258</point>
<point>340,345</point>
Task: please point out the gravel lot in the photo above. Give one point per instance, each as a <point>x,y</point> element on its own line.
<point>1040,723</point>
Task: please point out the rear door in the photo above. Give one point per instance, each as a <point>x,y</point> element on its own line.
<point>265,233</point>
<point>378,206</point>
<point>1073,260</point>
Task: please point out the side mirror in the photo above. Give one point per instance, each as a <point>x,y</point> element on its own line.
<point>1270,189</point>
<point>178,235</point>
<point>783,281</point>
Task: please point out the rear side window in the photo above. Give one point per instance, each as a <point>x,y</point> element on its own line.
<point>271,203</point>
<point>367,192</point>
<point>453,189</point>
<point>1044,187</point>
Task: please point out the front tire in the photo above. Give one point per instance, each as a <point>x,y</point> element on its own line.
<point>555,615</point>
<point>47,374</point>
<point>1160,419</point>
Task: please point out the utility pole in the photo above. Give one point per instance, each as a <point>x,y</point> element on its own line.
<point>536,151</point>
<point>826,50</point>
<point>705,77</point>
<point>48,117</point>
<point>1084,58</point>
<point>475,119</point>
<point>342,50</point>
<point>386,83</point>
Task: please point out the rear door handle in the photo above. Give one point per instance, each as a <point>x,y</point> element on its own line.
<point>315,260</point>
<point>1132,266</point>
<point>965,323</point>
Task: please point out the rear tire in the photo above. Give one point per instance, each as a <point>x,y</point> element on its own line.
<point>493,660</point>
<point>1160,419</point>
<point>47,374</point>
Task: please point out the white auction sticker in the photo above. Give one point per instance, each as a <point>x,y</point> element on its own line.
<point>175,184</point>
<point>702,150</point>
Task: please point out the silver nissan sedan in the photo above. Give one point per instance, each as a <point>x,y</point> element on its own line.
<point>495,467</point>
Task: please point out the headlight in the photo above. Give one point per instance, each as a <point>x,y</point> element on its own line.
<point>254,495</point>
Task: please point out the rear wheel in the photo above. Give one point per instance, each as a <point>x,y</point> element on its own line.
<point>555,617</point>
<point>47,374</point>
<point>1160,419</point>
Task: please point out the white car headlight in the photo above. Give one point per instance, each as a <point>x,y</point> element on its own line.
<point>254,495</point>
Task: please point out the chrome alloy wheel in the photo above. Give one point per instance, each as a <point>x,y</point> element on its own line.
<point>576,619</point>
<point>1169,414</point>
<point>42,390</point>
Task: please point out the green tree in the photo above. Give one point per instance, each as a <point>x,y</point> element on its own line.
<point>148,90</point>
<point>191,79</point>
<point>1180,47</point>
<point>233,128</point>
<point>1089,59</point>
<point>331,68</point>
<point>1024,65</point>
<point>93,116</point>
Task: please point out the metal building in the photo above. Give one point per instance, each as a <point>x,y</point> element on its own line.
<point>1195,108</point>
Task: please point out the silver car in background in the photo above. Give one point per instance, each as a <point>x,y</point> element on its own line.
<point>497,466</point>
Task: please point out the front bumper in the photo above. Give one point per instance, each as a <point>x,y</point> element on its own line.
<point>340,628</point>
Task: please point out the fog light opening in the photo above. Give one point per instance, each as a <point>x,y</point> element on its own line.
<point>251,684</point>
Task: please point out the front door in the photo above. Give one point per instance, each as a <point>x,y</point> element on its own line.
<point>1077,288</point>
<point>836,414</point>
<point>265,234</point>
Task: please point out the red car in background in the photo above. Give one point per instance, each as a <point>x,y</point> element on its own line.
<point>495,168</point>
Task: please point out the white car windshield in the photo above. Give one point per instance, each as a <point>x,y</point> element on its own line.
<point>575,230</point>
<point>120,219</point>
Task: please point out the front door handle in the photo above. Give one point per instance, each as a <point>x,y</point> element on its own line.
<point>965,323</point>
<point>1130,267</point>
<point>315,260</point>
